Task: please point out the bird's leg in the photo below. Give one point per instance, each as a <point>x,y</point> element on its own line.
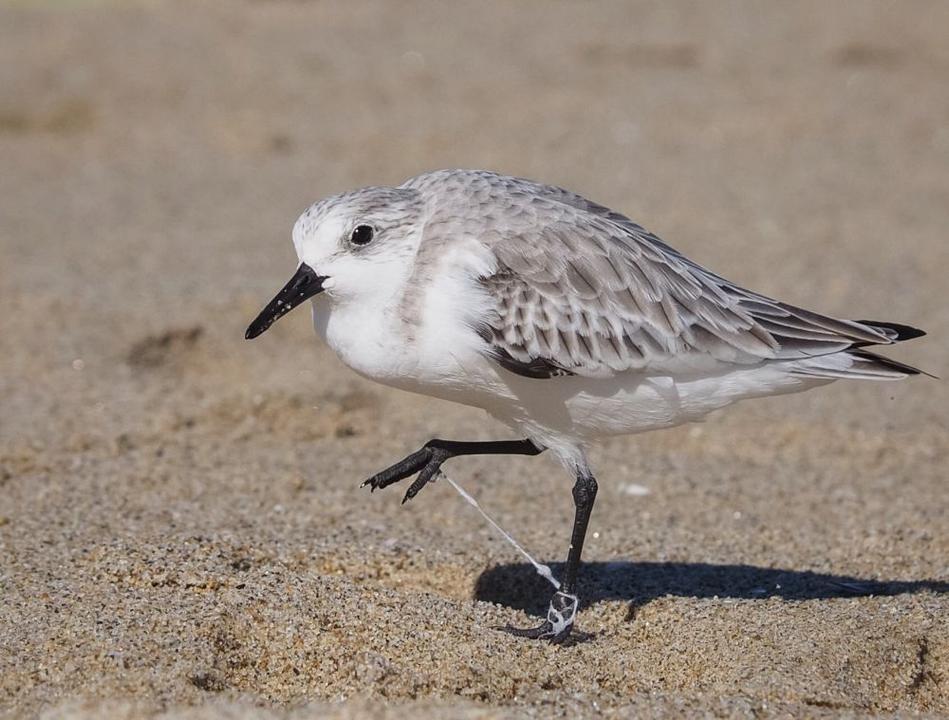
<point>429,458</point>
<point>563,605</point>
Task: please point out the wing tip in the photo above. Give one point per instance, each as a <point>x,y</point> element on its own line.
<point>897,331</point>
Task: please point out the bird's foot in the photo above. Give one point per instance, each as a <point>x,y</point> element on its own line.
<point>561,613</point>
<point>426,461</point>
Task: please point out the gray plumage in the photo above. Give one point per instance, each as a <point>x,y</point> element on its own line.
<point>581,289</point>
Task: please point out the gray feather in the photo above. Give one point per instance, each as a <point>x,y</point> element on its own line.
<point>582,289</point>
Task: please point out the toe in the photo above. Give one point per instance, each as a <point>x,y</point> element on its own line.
<point>428,473</point>
<point>401,470</point>
<point>541,632</point>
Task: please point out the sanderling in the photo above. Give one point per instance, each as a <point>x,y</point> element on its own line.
<point>560,317</point>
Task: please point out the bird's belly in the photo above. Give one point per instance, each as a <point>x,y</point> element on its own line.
<point>587,408</point>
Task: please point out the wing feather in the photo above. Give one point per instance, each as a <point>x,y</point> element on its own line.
<point>581,289</point>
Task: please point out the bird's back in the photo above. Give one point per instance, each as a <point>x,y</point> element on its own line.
<point>579,289</point>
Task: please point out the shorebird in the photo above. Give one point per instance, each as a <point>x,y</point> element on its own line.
<point>561,318</point>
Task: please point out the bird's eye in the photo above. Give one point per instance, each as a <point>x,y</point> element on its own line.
<point>362,235</point>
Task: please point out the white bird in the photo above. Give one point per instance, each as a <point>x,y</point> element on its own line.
<point>560,317</point>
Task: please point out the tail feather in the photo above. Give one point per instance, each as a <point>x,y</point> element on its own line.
<point>858,363</point>
<point>853,365</point>
<point>871,362</point>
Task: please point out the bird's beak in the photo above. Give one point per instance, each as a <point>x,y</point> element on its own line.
<point>304,284</point>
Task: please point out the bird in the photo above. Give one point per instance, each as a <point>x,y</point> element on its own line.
<point>563,319</point>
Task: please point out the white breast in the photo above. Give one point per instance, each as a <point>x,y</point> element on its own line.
<point>427,345</point>
<point>365,338</point>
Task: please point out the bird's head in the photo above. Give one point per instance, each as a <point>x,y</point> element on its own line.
<point>350,246</point>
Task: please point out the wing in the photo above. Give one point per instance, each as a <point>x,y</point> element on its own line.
<point>580,289</point>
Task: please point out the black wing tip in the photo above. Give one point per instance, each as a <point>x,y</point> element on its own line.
<point>903,332</point>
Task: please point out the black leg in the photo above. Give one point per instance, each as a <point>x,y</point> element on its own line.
<point>428,460</point>
<point>584,495</point>
<point>563,605</point>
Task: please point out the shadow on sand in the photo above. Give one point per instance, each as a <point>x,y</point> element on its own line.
<point>517,586</point>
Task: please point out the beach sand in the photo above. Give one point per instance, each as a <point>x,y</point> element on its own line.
<point>182,532</point>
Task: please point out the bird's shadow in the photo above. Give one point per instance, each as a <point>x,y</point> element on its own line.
<point>517,586</point>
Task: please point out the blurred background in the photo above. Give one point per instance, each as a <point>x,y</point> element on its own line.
<point>153,158</point>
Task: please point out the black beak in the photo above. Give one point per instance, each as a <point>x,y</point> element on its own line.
<point>304,284</point>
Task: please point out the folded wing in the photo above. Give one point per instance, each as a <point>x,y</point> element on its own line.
<point>580,289</point>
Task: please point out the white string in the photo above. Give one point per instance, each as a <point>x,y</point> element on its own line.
<point>542,570</point>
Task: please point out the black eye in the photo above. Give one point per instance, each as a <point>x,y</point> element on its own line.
<point>362,235</point>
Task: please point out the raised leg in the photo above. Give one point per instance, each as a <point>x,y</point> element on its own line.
<point>562,610</point>
<point>428,460</point>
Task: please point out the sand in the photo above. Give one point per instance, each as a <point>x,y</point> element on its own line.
<point>182,532</point>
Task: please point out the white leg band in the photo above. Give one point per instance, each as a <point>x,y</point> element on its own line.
<point>561,612</point>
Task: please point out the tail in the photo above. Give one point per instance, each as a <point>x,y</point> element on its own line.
<point>857,363</point>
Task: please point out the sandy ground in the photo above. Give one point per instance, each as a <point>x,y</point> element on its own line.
<point>181,529</point>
